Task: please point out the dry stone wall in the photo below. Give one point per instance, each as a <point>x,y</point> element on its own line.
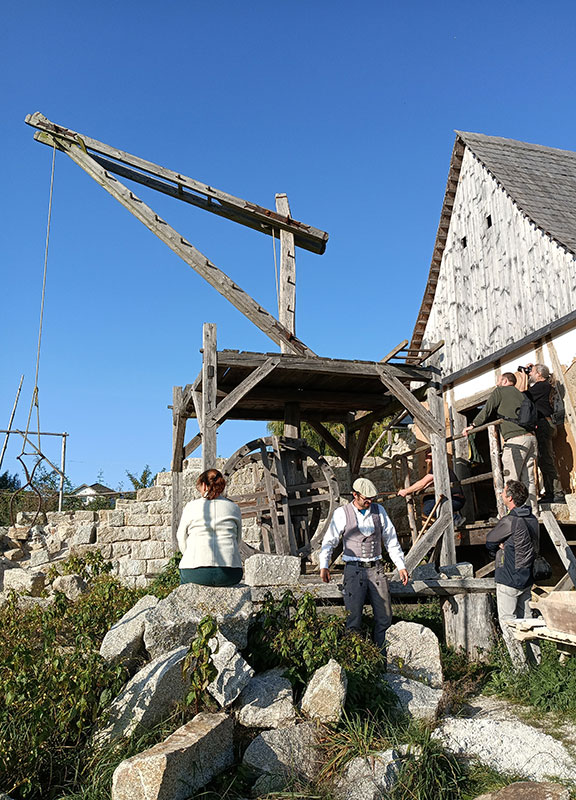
<point>136,536</point>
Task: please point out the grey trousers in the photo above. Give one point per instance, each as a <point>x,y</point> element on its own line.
<point>370,584</point>
<point>519,461</point>
<point>513,604</point>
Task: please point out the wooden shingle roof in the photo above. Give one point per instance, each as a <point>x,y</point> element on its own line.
<point>540,180</point>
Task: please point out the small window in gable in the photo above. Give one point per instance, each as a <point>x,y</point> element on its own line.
<point>489,221</point>
<point>464,242</point>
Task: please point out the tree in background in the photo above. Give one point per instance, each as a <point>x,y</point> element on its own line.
<point>276,428</point>
<point>145,480</point>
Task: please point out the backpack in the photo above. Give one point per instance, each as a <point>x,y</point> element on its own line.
<point>526,416</point>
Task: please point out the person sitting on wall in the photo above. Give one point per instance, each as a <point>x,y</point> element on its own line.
<point>514,543</point>
<point>429,500</point>
<point>542,392</point>
<point>519,450</point>
<point>209,535</point>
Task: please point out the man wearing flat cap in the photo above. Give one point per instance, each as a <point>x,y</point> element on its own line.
<point>366,528</point>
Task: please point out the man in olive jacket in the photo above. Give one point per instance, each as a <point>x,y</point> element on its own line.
<point>514,544</point>
<point>519,450</point>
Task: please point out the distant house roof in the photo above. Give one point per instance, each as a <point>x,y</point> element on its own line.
<point>97,488</point>
<point>540,180</point>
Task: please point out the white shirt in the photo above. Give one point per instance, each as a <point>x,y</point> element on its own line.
<point>366,527</point>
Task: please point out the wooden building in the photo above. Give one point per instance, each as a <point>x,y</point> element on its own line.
<point>502,285</point>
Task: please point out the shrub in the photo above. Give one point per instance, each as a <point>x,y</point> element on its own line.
<point>291,634</point>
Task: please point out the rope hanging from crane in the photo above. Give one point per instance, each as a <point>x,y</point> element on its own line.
<point>34,403</point>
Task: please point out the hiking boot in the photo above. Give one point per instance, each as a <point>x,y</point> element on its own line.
<point>459,519</point>
<point>546,498</point>
<point>559,498</point>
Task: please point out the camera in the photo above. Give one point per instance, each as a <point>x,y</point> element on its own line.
<point>526,370</point>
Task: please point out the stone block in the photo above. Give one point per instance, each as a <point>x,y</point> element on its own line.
<point>19,533</point>
<point>175,620</point>
<point>147,698</point>
<point>154,566</point>
<point>163,479</point>
<point>234,673</point>
<point>118,549</point>
<point>16,554</point>
<point>30,518</point>
<point>414,651</point>
<point>417,699</point>
<point>124,534</point>
<point>73,586</point>
<point>143,519</point>
<point>179,766</point>
<point>286,751</point>
<point>150,493</point>
<point>84,534</point>
<point>272,570</point>
<point>131,506</point>
<point>24,581</point>
<point>131,566</point>
<point>462,570</point>
<point>369,778</point>
<point>325,694</point>
<point>59,517</point>
<point>38,558</point>
<point>124,642</point>
<point>163,534</point>
<point>111,519</point>
<point>84,516</point>
<point>425,572</point>
<point>148,549</point>
<point>160,507</point>
<point>267,702</point>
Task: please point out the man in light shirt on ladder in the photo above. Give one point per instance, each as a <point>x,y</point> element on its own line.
<point>365,528</point>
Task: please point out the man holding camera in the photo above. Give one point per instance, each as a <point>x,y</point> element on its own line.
<point>541,392</point>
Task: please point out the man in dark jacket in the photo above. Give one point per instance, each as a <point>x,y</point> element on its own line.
<point>514,544</point>
<point>541,392</point>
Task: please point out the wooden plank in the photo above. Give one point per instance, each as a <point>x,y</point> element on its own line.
<point>486,476</point>
<point>226,205</point>
<point>420,414</point>
<point>497,472</point>
<point>360,444</point>
<point>559,541</point>
<point>281,543</point>
<point>425,543</point>
<point>287,277</point>
<point>394,351</point>
<point>192,445</point>
<point>183,248</point>
<point>197,401</point>
<point>334,366</point>
<point>330,440</point>
<point>333,590</point>
<point>442,475</point>
<point>567,399</point>
<point>241,390</point>
<point>178,435</point>
<point>486,570</point>
<point>209,386</point>
<point>410,504</point>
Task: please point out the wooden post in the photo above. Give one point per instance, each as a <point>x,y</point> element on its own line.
<point>441,474</point>
<point>287,277</point>
<point>209,387</point>
<point>497,472</point>
<point>178,435</point>
<point>469,624</point>
<point>460,457</point>
<point>62,472</point>
<point>410,505</point>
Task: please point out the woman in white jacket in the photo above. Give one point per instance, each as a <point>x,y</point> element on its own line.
<point>209,535</point>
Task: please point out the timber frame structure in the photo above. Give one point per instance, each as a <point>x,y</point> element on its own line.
<point>294,385</point>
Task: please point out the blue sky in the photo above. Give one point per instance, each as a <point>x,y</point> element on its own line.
<point>349,108</point>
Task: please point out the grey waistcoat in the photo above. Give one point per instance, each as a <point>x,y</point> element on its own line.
<point>358,546</point>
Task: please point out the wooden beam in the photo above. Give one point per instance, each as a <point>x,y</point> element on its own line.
<point>192,445</point>
<point>213,200</point>
<point>559,541</point>
<point>360,444</point>
<point>178,434</point>
<point>421,415</point>
<point>425,543</point>
<point>209,396</point>
<point>183,248</point>
<point>441,474</point>
<point>497,472</point>
<point>287,277</point>
<point>330,440</point>
<point>292,420</point>
<point>242,389</point>
<point>394,351</point>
